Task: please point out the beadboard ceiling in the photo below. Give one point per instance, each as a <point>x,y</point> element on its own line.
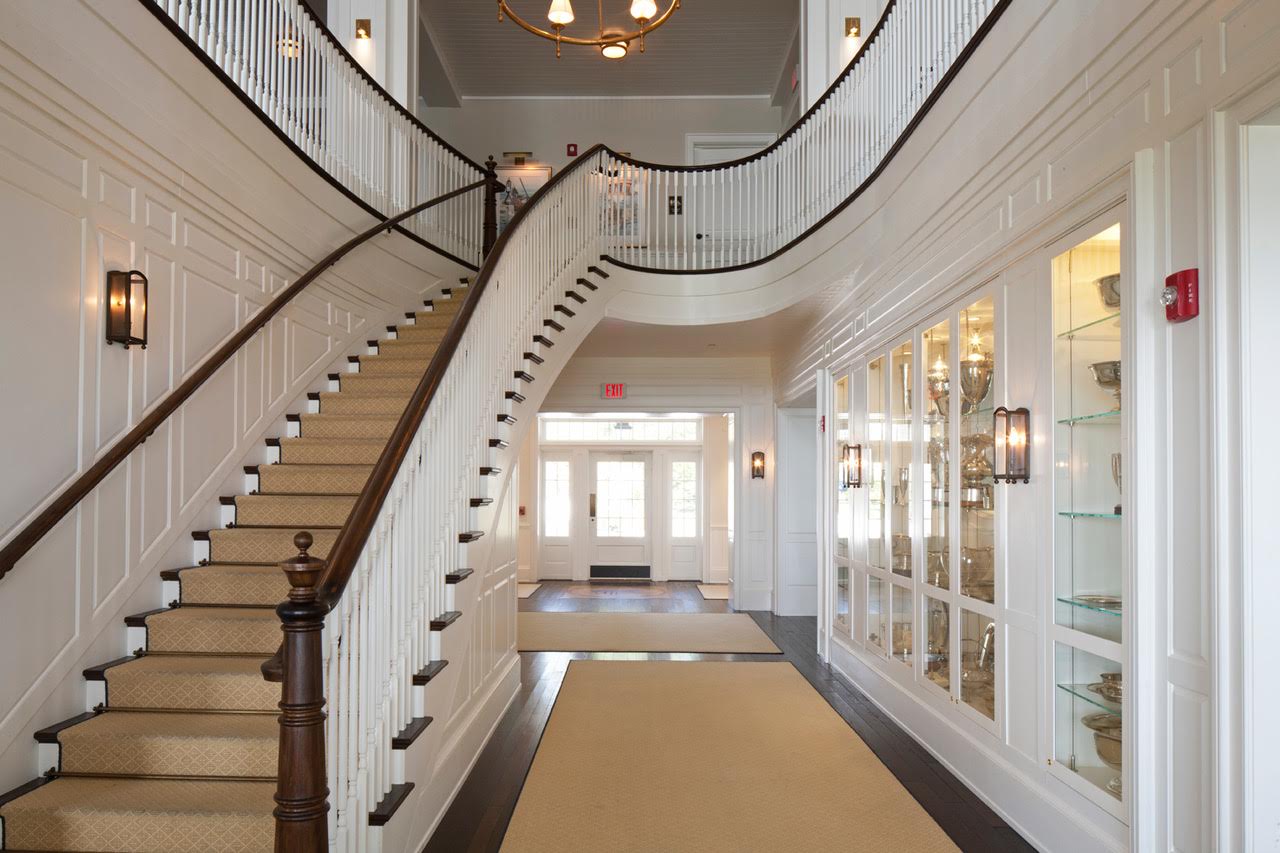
<point>709,47</point>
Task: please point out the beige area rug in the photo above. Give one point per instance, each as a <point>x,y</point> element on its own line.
<point>524,590</point>
<point>642,632</point>
<point>714,591</point>
<point>586,590</point>
<point>708,757</point>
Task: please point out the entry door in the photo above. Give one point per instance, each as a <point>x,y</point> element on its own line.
<point>620,510</point>
<point>685,515</point>
<point>722,231</point>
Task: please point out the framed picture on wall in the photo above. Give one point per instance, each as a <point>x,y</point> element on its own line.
<point>624,213</point>
<point>520,183</point>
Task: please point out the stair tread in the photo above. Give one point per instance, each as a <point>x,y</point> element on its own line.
<point>152,743</point>
<point>142,814</point>
<point>192,682</point>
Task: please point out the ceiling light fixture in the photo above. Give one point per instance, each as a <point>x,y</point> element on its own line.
<point>612,44</point>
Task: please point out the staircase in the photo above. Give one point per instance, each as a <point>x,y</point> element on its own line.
<point>179,749</point>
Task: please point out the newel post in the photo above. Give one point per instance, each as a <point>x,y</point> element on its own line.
<point>490,204</point>
<point>302,798</point>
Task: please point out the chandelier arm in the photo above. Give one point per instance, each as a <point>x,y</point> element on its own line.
<point>592,42</point>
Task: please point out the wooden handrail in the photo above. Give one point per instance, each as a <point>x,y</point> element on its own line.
<point>355,532</point>
<point>67,500</point>
<point>943,83</point>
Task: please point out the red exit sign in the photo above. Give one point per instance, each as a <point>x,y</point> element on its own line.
<point>613,391</point>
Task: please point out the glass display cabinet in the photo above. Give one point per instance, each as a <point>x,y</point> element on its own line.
<point>1089,571</point>
<point>844,479</point>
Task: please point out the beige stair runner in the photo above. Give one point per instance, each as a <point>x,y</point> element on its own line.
<point>183,757</point>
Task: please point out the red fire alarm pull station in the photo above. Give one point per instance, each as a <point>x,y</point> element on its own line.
<point>571,150</point>
<point>1181,296</point>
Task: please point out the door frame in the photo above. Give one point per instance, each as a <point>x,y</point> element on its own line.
<point>694,141</point>
<point>591,542</point>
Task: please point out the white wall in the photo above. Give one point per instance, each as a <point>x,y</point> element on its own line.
<point>206,201</point>
<point>740,385</point>
<point>651,129</point>
<point>1069,108</point>
<point>797,509</point>
<point>717,476</point>
<point>825,50</point>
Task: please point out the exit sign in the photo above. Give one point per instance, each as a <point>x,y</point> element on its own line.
<point>613,391</point>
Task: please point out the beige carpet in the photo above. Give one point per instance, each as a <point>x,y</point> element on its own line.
<point>524,590</point>
<point>708,757</point>
<point>714,591</point>
<point>641,632</point>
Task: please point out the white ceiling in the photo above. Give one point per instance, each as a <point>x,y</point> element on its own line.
<point>708,47</point>
<point>766,336</point>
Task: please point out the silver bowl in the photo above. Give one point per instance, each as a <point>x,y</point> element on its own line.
<point>1110,747</point>
<point>1107,375</point>
<point>1109,290</point>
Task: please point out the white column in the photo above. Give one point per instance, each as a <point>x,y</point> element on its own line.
<point>824,49</point>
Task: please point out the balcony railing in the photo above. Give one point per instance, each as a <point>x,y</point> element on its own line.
<point>288,67</point>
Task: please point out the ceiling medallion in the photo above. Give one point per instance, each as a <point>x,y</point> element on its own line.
<point>613,44</point>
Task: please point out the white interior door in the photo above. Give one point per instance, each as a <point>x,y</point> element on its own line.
<point>555,517</point>
<point>685,514</point>
<point>620,511</point>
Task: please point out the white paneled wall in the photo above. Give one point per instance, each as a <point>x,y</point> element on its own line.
<point>1083,105</point>
<point>797,512</point>
<point>219,215</point>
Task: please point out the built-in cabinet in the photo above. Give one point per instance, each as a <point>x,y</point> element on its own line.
<point>924,497</point>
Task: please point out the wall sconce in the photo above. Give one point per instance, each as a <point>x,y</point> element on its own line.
<point>851,467</point>
<point>364,28</point>
<point>126,308</point>
<point>757,465</point>
<point>1012,432</point>
<point>852,27</point>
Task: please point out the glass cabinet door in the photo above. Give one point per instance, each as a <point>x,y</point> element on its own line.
<point>936,418</point>
<point>873,463</point>
<point>901,515</point>
<point>977,488</point>
<point>1088,489</point>
<point>843,477</point>
<point>1089,570</point>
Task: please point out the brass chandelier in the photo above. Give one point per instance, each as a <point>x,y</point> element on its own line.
<point>613,43</point>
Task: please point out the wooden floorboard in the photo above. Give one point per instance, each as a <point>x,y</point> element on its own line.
<point>479,815</point>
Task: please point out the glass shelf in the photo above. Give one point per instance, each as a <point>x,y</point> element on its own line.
<point>1082,691</point>
<point>1092,324</point>
<point>1111,417</point>
<point>1088,605</point>
<point>1111,515</point>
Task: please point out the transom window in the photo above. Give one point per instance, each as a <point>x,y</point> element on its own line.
<point>641,431</point>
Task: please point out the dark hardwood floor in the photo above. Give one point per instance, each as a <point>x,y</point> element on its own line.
<point>478,817</point>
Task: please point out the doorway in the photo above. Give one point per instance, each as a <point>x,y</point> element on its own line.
<point>619,508</point>
<point>639,495</point>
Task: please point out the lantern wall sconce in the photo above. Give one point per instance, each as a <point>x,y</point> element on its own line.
<point>126,308</point>
<point>851,466</point>
<point>1011,429</point>
<point>364,28</point>
<point>757,465</point>
<point>852,27</point>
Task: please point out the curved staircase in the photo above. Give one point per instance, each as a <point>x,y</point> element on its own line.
<point>179,749</point>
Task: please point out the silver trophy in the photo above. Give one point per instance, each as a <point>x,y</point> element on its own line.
<point>1115,475</point>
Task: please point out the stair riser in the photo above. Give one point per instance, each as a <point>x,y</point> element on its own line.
<point>255,510</point>
<point>356,427</point>
<point>244,545</point>
<point>381,366</point>
<point>352,404</point>
<point>248,692</point>
<point>211,635</point>
<point>304,454</point>
<point>288,479</point>
<point>159,755</point>
<point>203,586</point>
